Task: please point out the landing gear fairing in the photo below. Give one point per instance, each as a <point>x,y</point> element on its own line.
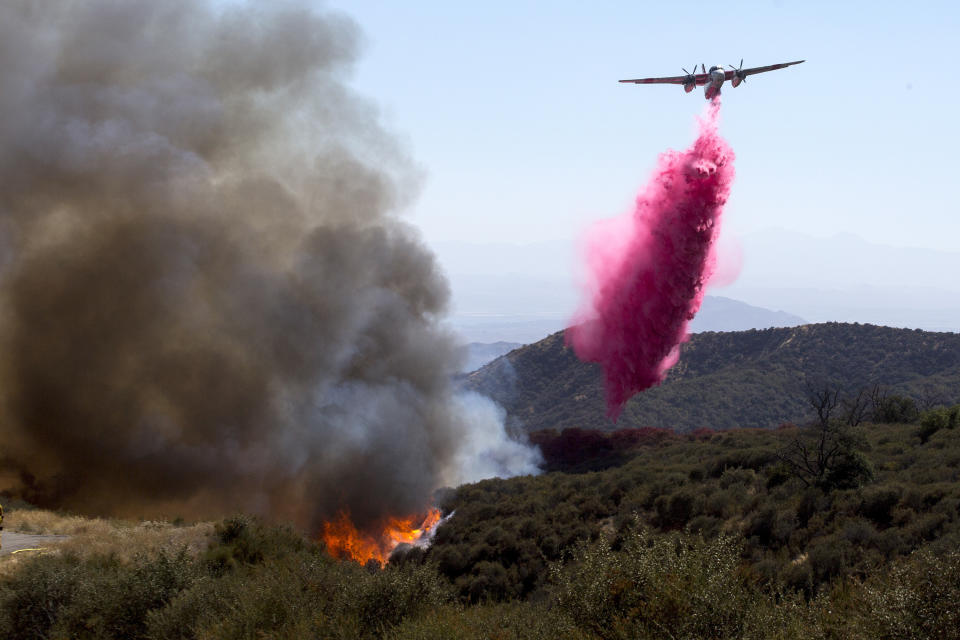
<point>713,79</point>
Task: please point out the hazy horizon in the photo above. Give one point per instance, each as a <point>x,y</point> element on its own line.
<point>533,287</point>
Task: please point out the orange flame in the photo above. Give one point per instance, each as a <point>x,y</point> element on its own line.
<point>343,540</point>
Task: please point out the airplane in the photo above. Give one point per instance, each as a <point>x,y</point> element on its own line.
<point>713,79</point>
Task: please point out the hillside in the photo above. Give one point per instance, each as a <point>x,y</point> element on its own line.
<point>704,535</point>
<point>712,483</point>
<point>753,378</point>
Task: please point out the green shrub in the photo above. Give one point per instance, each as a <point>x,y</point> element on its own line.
<point>33,598</point>
<point>851,470</point>
<point>676,509</point>
<point>936,419</point>
<point>798,576</point>
<point>301,595</point>
<point>98,597</point>
<point>244,540</point>
<point>928,526</point>
<point>503,621</point>
<point>677,586</point>
<point>831,557</point>
<point>859,532</point>
<point>916,598</point>
<point>265,600</point>
<point>878,503</point>
<point>895,409</point>
<point>389,596</point>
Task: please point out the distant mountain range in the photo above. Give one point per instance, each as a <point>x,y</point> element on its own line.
<point>520,293</point>
<point>845,278</point>
<point>753,378</point>
<point>716,314</point>
<point>725,314</point>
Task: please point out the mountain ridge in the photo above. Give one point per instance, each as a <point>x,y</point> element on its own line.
<point>724,380</point>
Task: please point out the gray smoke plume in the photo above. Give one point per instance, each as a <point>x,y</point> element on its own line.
<point>208,303</point>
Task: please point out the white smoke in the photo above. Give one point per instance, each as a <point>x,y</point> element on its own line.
<point>486,450</point>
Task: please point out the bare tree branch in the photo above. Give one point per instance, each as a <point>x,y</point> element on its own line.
<point>823,453</point>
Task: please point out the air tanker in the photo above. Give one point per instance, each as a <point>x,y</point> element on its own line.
<point>712,80</point>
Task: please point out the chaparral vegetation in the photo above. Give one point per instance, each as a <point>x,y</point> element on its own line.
<point>847,527</point>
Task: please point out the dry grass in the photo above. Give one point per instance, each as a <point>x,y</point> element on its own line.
<point>10,563</point>
<point>120,538</point>
<point>42,522</point>
<point>145,538</point>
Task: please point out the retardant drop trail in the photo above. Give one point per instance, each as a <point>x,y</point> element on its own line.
<point>649,267</point>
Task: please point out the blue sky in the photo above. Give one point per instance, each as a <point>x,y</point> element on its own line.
<point>513,111</point>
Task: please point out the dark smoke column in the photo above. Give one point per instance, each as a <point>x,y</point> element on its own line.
<point>649,269</point>
<point>208,302</point>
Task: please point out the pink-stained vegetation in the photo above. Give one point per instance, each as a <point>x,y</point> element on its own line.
<point>648,269</point>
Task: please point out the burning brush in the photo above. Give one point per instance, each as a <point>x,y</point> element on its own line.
<point>344,540</point>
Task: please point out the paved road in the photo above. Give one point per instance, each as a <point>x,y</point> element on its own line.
<point>11,542</point>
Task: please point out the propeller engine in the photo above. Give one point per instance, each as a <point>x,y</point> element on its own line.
<point>738,75</point>
<point>691,80</point>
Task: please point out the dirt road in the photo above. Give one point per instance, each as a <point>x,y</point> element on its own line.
<point>12,542</point>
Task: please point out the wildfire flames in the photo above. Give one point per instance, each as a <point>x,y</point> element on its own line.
<point>343,540</point>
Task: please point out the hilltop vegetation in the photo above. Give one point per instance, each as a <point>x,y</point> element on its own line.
<point>700,535</point>
<point>796,534</point>
<point>730,380</point>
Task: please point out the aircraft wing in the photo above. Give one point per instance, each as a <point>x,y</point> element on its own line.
<point>749,72</point>
<point>701,79</point>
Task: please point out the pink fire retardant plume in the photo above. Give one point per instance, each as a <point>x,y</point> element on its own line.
<point>648,269</point>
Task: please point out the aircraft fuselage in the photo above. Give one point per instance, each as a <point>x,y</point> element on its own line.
<point>712,88</point>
